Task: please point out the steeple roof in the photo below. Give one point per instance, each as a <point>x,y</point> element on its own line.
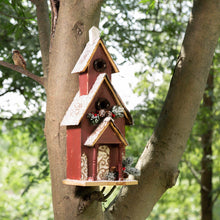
<point>89,51</point>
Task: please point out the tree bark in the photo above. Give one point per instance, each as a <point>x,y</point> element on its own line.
<point>43,22</point>
<point>159,161</point>
<point>206,174</point>
<point>74,21</point>
<point>39,79</point>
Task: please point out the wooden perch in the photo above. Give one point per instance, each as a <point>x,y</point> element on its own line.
<point>40,80</point>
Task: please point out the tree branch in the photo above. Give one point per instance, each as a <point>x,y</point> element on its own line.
<point>193,171</point>
<point>108,194</point>
<point>43,22</point>
<point>15,17</point>
<point>10,90</point>
<point>40,80</point>
<point>216,197</point>
<point>114,200</point>
<point>13,119</point>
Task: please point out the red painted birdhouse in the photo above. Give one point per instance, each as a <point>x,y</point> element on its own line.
<point>96,121</point>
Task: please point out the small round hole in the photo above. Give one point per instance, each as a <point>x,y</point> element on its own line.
<point>99,65</point>
<point>102,103</point>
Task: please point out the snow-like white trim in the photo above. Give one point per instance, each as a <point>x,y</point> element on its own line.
<point>85,56</point>
<point>80,104</point>
<point>94,34</point>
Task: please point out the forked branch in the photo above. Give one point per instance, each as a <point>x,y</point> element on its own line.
<point>88,199</point>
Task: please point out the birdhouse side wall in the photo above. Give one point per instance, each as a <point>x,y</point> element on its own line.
<point>93,74</point>
<point>105,92</point>
<point>73,170</point>
<point>83,83</point>
<point>120,123</point>
<point>114,155</point>
<point>109,137</point>
<point>86,126</point>
<point>87,129</point>
<point>89,153</point>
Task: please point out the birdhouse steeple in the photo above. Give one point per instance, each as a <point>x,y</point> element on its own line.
<point>94,60</point>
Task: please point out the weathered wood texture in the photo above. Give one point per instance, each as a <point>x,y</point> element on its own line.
<point>100,183</point>
<point>68,43</point>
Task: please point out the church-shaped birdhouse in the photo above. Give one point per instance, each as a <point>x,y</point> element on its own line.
<point>96,121</point>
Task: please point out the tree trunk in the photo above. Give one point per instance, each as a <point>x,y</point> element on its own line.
<point>159,161</point>
<point>74,21</point>
<point>206,175</point>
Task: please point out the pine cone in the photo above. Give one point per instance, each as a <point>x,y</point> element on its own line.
<point>102,113</point>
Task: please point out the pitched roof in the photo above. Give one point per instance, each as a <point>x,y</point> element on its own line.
<point>94,137</point>
<point>90,49</point>
<point>80,104</point>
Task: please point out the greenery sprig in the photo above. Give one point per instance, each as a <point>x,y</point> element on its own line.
<point>96,117</point>
<point>127,167</point>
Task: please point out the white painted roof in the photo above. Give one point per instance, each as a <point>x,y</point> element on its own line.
<point>94,34</point>
<point>80,104</point>
<point>85,57</point>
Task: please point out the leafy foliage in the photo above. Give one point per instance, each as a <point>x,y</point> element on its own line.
<point>20,169</point>
<point>19,31</point>
<point>146,31</point>
<point>24,161</point>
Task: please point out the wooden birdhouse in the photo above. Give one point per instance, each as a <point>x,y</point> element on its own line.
<point>96,121</point>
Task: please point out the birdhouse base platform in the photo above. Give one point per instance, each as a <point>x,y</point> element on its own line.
<point>99,182</point>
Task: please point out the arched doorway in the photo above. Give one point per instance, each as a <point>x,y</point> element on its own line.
<point>103,162</point>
